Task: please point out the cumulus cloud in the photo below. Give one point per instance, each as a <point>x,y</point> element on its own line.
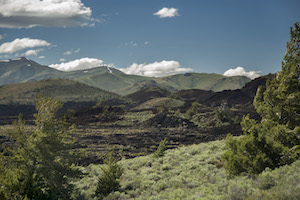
<point>77,50</point>
<point>156,69</point>
<point>72,51</point>
<point>68,52</point>
<point>20,44</point>
<point>32,52</point>
<point>240,71</point>
<point>31,13</point>
<point>62,59</point>
<point>79,64</point>
<point>131,44</point>
<point>167,12</point>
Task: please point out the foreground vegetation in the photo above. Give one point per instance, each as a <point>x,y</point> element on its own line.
<point>192,172</point>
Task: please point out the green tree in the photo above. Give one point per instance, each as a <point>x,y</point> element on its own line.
<point>37,165</point>
<point>161,149</point>
<point>193,110</point>
<point>275,140</point>
<point>109,180</point>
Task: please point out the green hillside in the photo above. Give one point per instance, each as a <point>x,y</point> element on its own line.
<point>137,86</point>
<point>23,70</point>
<point>214,82</point>
<point>65,90</point>
<point>110,81</point>
<point>127,84</point>
<point>193,172</point>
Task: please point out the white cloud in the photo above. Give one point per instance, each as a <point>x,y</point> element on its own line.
<point>77,50</point>
<point>72,51</point>
<point>20,44</point>
<point>42,57</point>
<point>62,59</point>
<point>68,52</point>
<point>167,12</point>
<point>240,71</point>
<point>131,44</point>
<point>156,69</point>
<point>30,13</point>
<point>79,64</point>
<point>32,52</point>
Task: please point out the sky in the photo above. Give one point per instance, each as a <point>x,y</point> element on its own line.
<point>150,37</point>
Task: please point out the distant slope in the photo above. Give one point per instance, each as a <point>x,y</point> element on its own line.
<point>65,90</point>
<point>140,85</point>
<point>127,84</point>
<point>111,81</point>
<point>203,81</point>
<point>22,70</point>
<point>232,97</point>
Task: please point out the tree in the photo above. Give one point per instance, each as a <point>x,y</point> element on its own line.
<point>37,165</point>
<point>193,110</point>
<point>275,140</point>
<point>109,181</point>
<point>160,152</point>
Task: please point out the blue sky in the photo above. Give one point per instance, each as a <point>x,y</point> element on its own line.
<point>193,35</point>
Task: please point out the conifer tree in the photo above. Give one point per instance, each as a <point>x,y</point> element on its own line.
<point>109,181</point>
<point>37,165</point>
<point>275,140</point>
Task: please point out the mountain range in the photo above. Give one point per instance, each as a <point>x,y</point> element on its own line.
<point>23,70</point>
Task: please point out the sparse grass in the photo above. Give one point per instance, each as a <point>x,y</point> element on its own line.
<point>153,103</point>
<point>192,173</point>
<point>134,118</point>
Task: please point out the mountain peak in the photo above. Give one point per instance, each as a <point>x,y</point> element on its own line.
<point>16,59</point>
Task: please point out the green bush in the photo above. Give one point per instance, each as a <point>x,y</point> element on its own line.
<point>223,113</point>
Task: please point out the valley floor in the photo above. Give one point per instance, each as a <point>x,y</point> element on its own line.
<point>129,142</point>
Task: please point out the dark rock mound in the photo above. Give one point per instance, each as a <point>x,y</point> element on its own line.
<point>96,114</point>
<point>194,95</point>
<point>232,97</point>
<point>147,93</point>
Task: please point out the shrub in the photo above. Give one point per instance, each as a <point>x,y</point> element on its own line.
<point>223,113</point>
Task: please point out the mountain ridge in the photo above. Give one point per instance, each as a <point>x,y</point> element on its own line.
<point>22,70</point>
